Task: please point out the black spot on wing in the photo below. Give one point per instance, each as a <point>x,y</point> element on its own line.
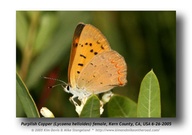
<point>98,42</point>
<point>80,64</point>
<point>91,50</point>
<point>81,55</point>
<point>102,47</point>
<point>76,44</point>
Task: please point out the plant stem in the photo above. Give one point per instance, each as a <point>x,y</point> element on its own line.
<point>28,50</point>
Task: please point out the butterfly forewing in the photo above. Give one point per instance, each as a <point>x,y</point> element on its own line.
<point>75,42</point>
<point>88,42</point>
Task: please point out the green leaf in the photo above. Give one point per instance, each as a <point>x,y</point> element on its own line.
<point>22,29</point>
<point>149,97</point>
<point>48,25</point>
<point>19,108</point>
<point>91,108</point>
<point>25,98</point>
<point>120,106</point>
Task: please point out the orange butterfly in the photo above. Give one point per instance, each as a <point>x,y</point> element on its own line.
<point>94,67</point>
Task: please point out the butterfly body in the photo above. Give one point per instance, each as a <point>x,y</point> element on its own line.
<point>94,67</point>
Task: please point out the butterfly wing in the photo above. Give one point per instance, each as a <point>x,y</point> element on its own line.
<point>104,72</point>
<point>88,42</point>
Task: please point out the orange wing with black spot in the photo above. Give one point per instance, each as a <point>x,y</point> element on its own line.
<point>88,42</point>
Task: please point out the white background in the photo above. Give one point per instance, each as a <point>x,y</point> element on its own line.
<point>8,121</point>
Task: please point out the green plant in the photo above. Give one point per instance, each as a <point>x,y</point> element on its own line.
<point>25,98</point>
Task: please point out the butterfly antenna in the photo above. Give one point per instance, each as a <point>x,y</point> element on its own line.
<point>49,78</point>
<point>60,84</point>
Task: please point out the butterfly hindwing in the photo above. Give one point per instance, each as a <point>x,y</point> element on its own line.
<point>105,71</point>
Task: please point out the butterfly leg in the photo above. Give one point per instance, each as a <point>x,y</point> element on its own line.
<point>79,108</point>
<point>71,99</point>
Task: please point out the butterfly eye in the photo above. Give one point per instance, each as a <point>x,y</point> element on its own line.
<point>68,87</point>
